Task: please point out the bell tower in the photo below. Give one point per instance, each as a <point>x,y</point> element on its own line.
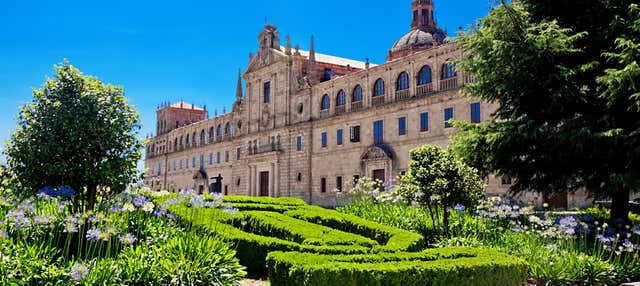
<point>423,15</point>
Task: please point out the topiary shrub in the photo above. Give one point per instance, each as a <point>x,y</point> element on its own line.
<point>445,266</point>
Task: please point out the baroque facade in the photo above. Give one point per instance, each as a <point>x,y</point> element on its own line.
<point>308,123</point>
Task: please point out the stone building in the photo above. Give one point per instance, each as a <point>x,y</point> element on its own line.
<point>308,123</point>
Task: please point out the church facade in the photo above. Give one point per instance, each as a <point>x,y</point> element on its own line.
<point>307,124</point>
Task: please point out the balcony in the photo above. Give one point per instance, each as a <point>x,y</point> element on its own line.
<point>256,150</point>
<point>377,100</point>
<point>469,79</point>
<point>356,106</point>
<point>324,113</point>
<point>450,83</point>
<point>340,109</point>
<point>402,94</point>
<point>424,89</point>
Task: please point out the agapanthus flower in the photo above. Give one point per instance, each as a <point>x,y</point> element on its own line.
<point>70,224</point>
<point>116,208</point>
<point>140,201</point>
<point>128,239</point>
<point>94,234</point>
<point>148,207</point>
<point>41,220</point>
<point>459,207</point>
<point>231,211</point>
<point>567,225</point>
<point>628,246</point>
<point>79,271</point>
<point>128,207</point>
<point>636,230</point>
<point>196,202</point>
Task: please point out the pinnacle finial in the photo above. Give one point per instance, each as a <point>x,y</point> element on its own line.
<point>239,87</point>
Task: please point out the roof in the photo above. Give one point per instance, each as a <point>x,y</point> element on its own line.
<point>186,105</point>
<point>322,58</point>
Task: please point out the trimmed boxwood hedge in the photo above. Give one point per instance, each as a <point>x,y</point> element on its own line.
<point>444,266</point>
<point>265,224</point>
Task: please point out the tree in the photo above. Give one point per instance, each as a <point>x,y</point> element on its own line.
<point>76,132</point>
<point>437,179</point>
<point>568,116</point>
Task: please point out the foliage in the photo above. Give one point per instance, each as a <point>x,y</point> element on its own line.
<point>447,266</point>
<point>570,248</point>
<point>76,132</point>
<point>438,179</point>
<point>127,240</point>
<point>289,227</point>
<point>568,116</point>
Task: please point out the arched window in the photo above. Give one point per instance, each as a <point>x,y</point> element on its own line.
<point>227,129</point>
<point>403,81</point>
<point>194,138</point>
<point>448,71</point>
<point>188,139</point>
<point>181,140</point>
<point>357,94</point>
<point>424,77</point>
<point>211,133</point>
<point>175,143</point>
<point>326,101</point>
<point>219,130</point>
<point>340,99</point>
<point>203,136</point>
<point>378,88</point>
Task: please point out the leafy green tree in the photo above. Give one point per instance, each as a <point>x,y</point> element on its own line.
<point>439,180</point>
<point>565,74</point>
<point>76,132</point>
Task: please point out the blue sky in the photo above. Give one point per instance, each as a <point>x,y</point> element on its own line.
<point>192,50</point>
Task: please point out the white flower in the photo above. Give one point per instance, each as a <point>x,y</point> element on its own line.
<point>148,207</point>
<point>128,207</point>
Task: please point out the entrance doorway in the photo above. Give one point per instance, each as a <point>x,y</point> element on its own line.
<point>378,175</point>
<point>264,184</point>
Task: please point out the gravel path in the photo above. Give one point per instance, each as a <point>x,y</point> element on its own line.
<point>251,282</point>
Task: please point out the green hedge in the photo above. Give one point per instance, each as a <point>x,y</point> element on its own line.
<point>267,224</point>
<point>445,266</point>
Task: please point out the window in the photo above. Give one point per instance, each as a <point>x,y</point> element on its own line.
<point>181,140</point>
<point>238,152</point>
<point>402,126</point>
<point>193,162</point>
<point>226,156</point>
<point>448,115</point>
<point>339,183</point>
<point>354,134</point>
<point>180,164</point>
<point>159,169</point>
<point>219,128</point>
<point>201,161</point>
<point>299,177</point>
<point>218,158</point>
<point>425,16</point>
<point>339,137</point>
<point>324,105</point>
<point>323,185</point>
<point>186,163</point>
<point>475,112</point>
<point>228,129</point>
<point>378,88</point>
<point>448,71</point>
<point>424,122</point>
<point>194,139</point>
<point>424,77</point>
<point>211,133</point>
<point>299,143</point>
<point>210,158</point>
<point>328,73</point>
<point>356,178</point>
<point>378,132</point>
<point>202,136</point>
<point>323,137</point>
<point>267,92</point>
<point>403,81</point>
<point>175,165</point>
<point>357,94</point>
<point>340,98</point>
<point>187,139</point>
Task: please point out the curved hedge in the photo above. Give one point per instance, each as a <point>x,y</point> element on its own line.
<point>263,225</point>
<point>444,266</point>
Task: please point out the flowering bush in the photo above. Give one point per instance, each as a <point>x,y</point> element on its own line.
<point>42,241</point>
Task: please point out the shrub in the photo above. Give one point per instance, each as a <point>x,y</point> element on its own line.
<point>446,266</point>
<point>299,227</point>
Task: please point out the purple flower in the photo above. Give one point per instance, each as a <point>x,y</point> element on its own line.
<point>459,207</point>
<point>127,239</point>
<point>636,230</point>
<point>231,211</point>
<point>94,234</point>
<point>567,225</point>
<point>79,271</point>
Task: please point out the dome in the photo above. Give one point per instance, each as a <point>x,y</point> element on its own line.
<point>414,39</point>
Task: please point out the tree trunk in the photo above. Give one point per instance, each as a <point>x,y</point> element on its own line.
<point>620,208</point>
<point>445,219</point>
<point>91,196</point>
